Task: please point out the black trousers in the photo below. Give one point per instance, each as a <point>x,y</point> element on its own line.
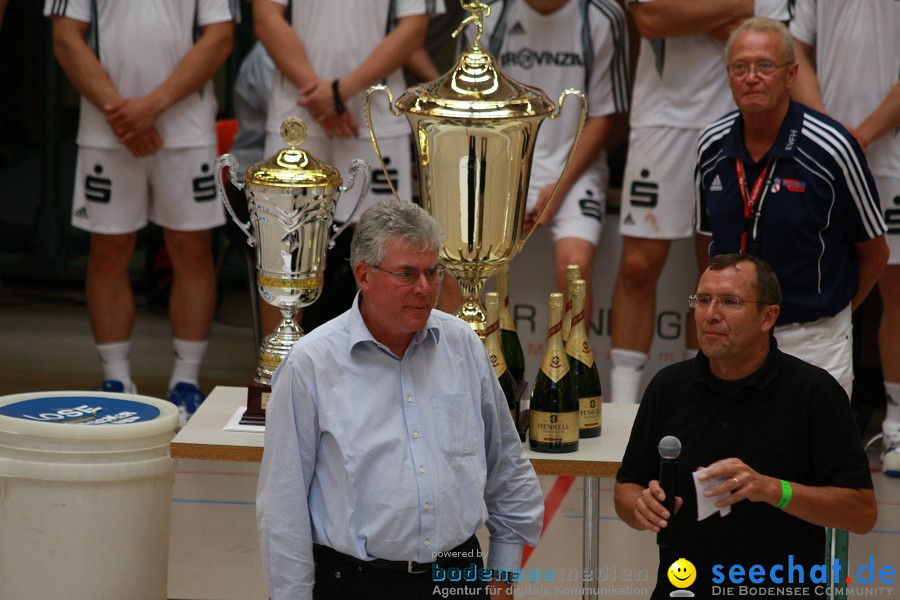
<point>342,577</point>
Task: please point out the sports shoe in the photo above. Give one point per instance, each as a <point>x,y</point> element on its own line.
<point>188,398</point>
<point>116,386</point>
<point>890,453</point>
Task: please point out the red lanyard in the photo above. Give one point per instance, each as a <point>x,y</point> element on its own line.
<point>753,200</point>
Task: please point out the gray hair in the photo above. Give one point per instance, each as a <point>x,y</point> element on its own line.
<point>392,220</point>
<point>764,25</point>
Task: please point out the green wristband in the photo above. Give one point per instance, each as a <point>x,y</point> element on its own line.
<point>786,494</point>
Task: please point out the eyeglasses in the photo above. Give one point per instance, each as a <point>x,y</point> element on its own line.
<point>432,275</point>
<point>704,301</point>
<point>765,68</point>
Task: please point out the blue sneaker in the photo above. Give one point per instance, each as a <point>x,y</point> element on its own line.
<point>188,398</point>
<point>890,453</point>
<point>116,386</point>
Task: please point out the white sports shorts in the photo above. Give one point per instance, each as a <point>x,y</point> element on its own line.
<point>825,342</point>
<point>116,193</point>
<point>889,194</point>
<point>582,212</point>
<point>658,185</point>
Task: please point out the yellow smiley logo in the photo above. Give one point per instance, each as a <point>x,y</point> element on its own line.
<point>682,573</point>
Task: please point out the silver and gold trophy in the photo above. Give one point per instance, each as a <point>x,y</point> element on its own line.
<point>474,130</point>
<point>291,198</point>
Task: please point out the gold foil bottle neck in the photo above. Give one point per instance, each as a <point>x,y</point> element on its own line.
<point>556,302</point>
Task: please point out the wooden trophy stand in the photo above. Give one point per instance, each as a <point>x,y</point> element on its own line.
<point>257,398</point>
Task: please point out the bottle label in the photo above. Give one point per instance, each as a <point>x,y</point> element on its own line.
<point>577,346</point>
<point>499,365</point>
<point>554,428</point>
<point>495,326</point>
<point>591,408</point>
<point>554,366</point>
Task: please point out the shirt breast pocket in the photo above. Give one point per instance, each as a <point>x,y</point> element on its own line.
<point>454,423</point>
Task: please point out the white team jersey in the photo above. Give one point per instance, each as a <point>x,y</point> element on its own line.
<point>139,43</point>
<point>583,45</point>
<point>847,37</point>
<point>681,81</point>
<point>338,36</point>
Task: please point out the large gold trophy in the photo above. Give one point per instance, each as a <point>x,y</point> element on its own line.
<point>474,131</point>
<point>291,198</point>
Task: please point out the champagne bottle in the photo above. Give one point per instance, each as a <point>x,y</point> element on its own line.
<point>495,352</point>
<point>573,272</point>
<point>509,339</point>
<point>554,401</point>
<point>584,368</point>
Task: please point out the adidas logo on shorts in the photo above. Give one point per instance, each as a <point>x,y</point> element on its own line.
<point>81,213</point>
<point>716,185</point>
<point>517,29</point>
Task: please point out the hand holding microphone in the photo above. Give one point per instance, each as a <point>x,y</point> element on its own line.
<point>669,451</point>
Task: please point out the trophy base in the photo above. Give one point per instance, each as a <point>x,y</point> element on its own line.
<point>257,398</point>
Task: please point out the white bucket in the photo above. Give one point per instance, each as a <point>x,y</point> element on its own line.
<point>85,496</point>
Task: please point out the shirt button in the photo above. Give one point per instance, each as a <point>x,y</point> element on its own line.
<point>426,506</point>
<point>427,543</point>
<point>409,398</point>
<point>724,425</point>
<point>415,435</point>
<point>421,469</point>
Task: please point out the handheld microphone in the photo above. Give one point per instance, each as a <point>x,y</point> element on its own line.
<point>669,450</point>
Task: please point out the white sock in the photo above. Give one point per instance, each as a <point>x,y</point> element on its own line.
<point>892,407</point>
<point>625,375</point>
<point>188,356</point>
<point>116,361</point>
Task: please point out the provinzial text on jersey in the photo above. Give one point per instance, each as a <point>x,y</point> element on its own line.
<point>527,58</point>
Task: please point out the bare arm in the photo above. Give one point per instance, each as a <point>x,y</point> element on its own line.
<point>133,116</point>
<point>806,87</point>
<point>873,256</point>
<point>829,506</point>
<point>592,139</point>
<point>388,56</point>
<point>677,18</point>
<point>80,64</point>
<point>881,120</point>
<point>281,42</point>
<point>84,70</point>
<point>393,51</point>
<point>419,63</point>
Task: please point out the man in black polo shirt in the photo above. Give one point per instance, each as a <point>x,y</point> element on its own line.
<point>788,184</point>
<point>774,434</point>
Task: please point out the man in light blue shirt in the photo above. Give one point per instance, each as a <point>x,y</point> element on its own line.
<point>388,440</point>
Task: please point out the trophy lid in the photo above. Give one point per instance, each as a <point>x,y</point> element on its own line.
<point>476,88</point>
<point>293,166</point>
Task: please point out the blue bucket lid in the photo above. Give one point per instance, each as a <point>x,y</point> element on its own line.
<point>81,410</point>
<point>40,413</point>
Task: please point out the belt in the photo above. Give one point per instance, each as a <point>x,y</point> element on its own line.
<point>330,555</point>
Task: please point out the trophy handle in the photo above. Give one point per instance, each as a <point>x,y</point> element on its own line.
<point>230,162</point>
<point>581,121</point>
<point>380,88</point>
<point>357,167</point>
